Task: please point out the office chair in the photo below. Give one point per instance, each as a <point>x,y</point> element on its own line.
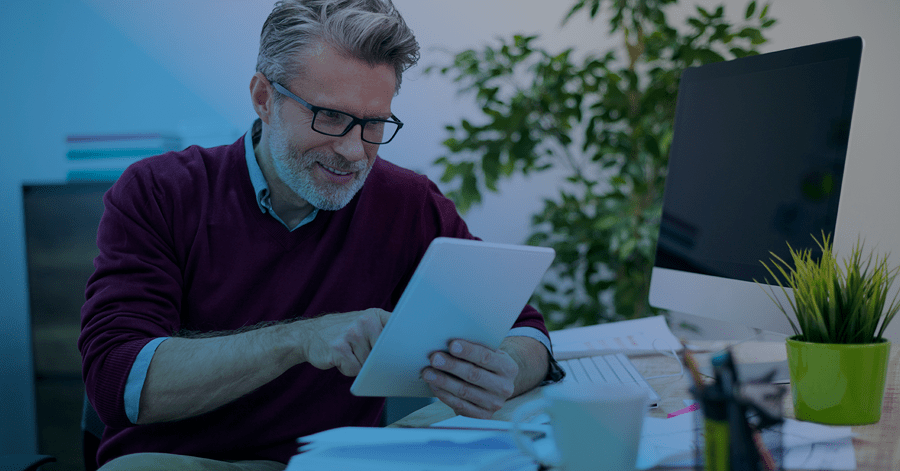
<point>24,462</point>
<point>91,431</point>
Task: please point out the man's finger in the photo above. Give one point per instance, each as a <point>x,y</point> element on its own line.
<point>481,397</point>
<point>383,316</point>
<point>466,371</point>
<point>461,406</point>
<point>471,352</point>
<point>345,359</point>
<point>362,336</point>
<point>496,362</point>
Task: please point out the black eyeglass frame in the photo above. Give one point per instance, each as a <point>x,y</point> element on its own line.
<point>354,120</point>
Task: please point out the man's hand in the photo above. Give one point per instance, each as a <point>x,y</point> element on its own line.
<point>189,377</point>
<point>341,341</point>
<point>472,379</point>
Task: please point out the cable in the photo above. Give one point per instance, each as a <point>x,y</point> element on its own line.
<point>674,356</point>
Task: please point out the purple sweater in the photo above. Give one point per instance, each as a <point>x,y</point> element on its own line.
<point>183,245</point>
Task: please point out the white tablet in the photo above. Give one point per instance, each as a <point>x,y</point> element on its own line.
<point>462,289</point>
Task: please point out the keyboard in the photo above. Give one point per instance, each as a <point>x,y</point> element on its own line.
<point>605,369</point>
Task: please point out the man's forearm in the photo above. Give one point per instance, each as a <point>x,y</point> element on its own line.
<point>189,377</point>
<point>533,361</point>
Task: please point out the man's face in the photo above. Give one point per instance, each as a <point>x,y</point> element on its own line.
<point>327,171</point>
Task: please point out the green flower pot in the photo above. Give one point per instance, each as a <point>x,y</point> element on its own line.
<point>838,384</point>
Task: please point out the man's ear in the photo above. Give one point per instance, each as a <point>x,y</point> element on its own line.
<point>261,95</point>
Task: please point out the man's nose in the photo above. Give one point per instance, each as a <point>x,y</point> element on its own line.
<point>350,145</point>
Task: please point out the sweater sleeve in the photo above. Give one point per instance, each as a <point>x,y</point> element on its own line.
<point>134,294</point>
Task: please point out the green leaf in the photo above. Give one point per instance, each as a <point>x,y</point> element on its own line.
<point>738,52</point>
<point>751,8</point>
<point>753,34</point>
<point>490,164</point>
<point>595,7</point>
<point>699,25</point>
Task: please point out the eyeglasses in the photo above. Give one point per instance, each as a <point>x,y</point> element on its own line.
<point>337,123</point>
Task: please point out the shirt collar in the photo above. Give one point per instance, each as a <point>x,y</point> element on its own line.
<point>261,187</point>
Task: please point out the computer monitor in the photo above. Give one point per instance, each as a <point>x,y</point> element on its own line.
<point>756,162</point>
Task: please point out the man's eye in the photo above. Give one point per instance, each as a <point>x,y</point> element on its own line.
<point>332,115</point>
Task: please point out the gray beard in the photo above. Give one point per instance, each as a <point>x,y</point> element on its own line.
<point>296,171</point>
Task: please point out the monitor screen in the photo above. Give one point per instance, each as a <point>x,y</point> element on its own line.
<point>756,163</point>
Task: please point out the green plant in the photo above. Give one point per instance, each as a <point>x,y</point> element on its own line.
<point>834,303</point>
<point>606,120</point>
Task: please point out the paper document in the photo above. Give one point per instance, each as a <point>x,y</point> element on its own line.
<point>469,423</point>
<point>408,449</point>
<point>814,446</point>
<point>638,336</point>
<point>672,442</point>
<point>380,436</point>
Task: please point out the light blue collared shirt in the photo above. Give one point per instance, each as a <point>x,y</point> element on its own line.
<point>135,383</point>
<point>261,187</point>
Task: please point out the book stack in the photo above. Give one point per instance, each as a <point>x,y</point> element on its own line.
<point>103,157</point>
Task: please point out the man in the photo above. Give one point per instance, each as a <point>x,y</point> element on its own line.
<point>239,289</point>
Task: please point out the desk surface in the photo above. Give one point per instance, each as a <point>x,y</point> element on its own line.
<point>877,446</point>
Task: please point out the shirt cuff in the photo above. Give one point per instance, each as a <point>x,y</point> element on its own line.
<point>136,377</point>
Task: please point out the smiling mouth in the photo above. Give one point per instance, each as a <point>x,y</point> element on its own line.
<point>334,170</point>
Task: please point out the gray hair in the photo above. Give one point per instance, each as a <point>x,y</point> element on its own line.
<point>369,30</point>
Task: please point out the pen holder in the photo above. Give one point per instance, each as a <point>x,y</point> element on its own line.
<point>740,431</point>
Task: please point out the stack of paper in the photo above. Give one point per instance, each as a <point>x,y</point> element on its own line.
<point>673,442</point>
<point>633,337</point>
<point>400,449</point>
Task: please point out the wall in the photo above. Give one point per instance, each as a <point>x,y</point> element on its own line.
<point>67,71</point>
<point>96,66</point>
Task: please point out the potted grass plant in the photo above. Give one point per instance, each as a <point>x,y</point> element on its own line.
<point>838,356</point>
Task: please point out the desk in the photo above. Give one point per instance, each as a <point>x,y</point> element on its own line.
<point>877,446</point>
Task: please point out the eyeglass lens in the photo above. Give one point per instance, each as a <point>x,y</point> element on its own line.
<point>336,123</point>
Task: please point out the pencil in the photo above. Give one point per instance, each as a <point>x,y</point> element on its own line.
<point>764,453</point>
<point>692,367</point>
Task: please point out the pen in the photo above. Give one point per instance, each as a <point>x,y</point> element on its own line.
<point>690,408</point>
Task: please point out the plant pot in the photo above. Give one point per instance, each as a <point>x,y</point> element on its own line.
<point>838,384</point>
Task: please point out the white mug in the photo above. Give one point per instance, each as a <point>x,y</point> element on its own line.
<point>595,427</point>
